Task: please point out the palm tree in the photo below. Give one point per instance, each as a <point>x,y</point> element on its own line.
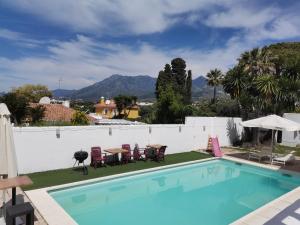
<point>258,62</point>
<point>288,93</point>
<point>268,88</point>
<point>215,78</point>
<point>234,82</point>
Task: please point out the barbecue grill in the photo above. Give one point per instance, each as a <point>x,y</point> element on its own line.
<point>80,156</point>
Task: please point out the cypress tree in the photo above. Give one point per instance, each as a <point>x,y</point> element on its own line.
<point>173,92</point>
<point>188,88</point>
<point>159,83</point>
<point>164,79</point>
<point>179,73</point>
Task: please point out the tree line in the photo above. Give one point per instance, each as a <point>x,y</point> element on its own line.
<point>264,81</point>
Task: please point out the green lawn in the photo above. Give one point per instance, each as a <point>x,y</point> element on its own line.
<point>63,176</point>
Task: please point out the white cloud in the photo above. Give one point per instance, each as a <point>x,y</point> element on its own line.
<point>242,17</point>
<point>76,61</point>
<point>84,60</point>
<point>19,38</point>
<point>114,17</point>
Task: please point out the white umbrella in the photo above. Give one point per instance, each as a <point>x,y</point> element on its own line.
<point>8,160</point>
<point>272,122</point>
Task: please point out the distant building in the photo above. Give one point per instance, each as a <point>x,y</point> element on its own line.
<point>132,112</point>
<point>144,103</point>
<point>107,109</point>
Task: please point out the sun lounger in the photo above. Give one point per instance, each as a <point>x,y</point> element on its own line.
<point>259,155</point>
<point>284,159</point>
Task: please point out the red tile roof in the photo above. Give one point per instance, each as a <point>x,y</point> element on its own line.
<point>56,112</point>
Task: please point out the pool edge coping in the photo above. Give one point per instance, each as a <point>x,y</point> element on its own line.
<point>54,214</point>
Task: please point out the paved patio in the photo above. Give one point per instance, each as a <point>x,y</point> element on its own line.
<point>295,166</point>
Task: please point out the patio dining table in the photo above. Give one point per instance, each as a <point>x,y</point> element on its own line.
<point>156,146</point>
<point>115,152</point>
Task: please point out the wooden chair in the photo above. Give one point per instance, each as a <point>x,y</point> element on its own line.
<point>97,158</point>
<point>126,156</point>
<point>160,154</point>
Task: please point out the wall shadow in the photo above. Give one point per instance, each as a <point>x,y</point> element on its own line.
<point>233,133</point>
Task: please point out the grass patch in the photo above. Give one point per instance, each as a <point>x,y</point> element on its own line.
<point>286,149</point>
<point>63,176</point>
<point>281,149</point>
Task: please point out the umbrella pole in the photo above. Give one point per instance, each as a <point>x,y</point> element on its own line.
<point>272,144</point>
<point>13,196</point>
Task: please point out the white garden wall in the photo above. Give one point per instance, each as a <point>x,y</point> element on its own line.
<point>39,148</point>
<point>291,138</point>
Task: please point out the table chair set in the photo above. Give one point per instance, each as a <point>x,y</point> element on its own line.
<point>111,156</point>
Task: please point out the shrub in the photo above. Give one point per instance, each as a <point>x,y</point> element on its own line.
<point>79,118</point>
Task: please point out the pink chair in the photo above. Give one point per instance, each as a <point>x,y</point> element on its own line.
<point>126,156</point>
<point>96,157</point>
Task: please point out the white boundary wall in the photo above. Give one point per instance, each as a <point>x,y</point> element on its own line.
<point>39,148</point>
<point>291,138</point>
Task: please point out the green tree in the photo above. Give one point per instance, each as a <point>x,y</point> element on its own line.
<point>235,82</point>
<point>173,92</point>
<point>37,113</point>
<point>268,89</point>
<point>215,78</point>
<point>147,113</point>
<point>17,105</point>
<point>266,80</point>
<point>188,88</point>
<point>179,73</point>
<point>124,102</point>
<point>164,78</point>
<point>33,93</point>
<point>79,118</point>
<point>83,106</point>
<point>169,107</point>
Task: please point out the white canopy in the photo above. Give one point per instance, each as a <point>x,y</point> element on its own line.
<point>8,160</point>
<point>272,122</point>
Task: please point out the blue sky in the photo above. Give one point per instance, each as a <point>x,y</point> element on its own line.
<point>83,42</point>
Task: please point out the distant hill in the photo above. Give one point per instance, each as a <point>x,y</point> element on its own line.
<point>198,84</point>
<point>63,93</point>
<point>142,86</point>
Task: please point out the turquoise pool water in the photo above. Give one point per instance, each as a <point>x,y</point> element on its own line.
<point>214,192</point>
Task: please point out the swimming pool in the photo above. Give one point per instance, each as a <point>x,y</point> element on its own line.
<point>213,192</point>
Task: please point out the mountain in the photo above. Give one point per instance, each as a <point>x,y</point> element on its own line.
<point>63,93</point>
<point>198,84</point>
<point>142,86</point>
